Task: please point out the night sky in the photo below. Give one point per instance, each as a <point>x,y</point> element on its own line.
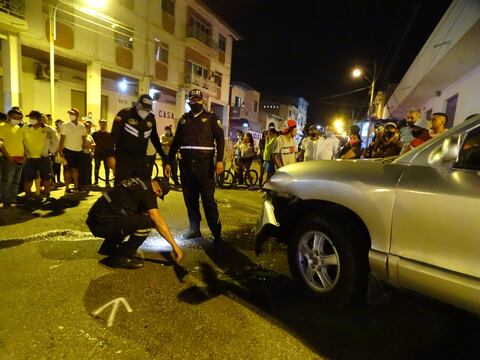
<point>307,48</point>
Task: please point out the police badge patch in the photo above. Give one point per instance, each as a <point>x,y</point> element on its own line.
<point>132,122</point>
<point>204,120</point>
<point>220,124</point>
<point>149,124</point>
<point>182,120</point>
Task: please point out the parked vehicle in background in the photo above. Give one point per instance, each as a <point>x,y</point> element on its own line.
<point>410,222</point>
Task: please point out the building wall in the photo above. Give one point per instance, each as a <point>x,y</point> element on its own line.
<point>467,88</point>
<point>91,43</point>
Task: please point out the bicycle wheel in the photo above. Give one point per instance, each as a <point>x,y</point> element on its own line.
<point>227,179</point>
<point>253,176</point>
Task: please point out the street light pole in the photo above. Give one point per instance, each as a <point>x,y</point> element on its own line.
<point>52,16</point>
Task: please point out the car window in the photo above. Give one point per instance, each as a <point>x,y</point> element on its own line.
<point>469,157</point>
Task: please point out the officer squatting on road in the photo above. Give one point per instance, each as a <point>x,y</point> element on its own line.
<point>130,209</point>
<point>199,133</point>
<point>130,133</point>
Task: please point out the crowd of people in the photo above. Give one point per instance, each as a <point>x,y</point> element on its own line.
<point>279,148</point>
<point>33,154</point>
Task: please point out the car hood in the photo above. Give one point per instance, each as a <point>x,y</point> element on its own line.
<point>331,179</point>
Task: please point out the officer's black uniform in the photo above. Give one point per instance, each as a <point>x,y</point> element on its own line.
<point>130,134</point>
<point>120,212</point>
<point>196,138</point>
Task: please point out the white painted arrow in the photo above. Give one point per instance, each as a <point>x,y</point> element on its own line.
<point>116,302</point>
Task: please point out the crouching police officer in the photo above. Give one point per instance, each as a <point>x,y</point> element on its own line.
<point>130,208</point>
<point>131,130</point>
<point>199,134</point>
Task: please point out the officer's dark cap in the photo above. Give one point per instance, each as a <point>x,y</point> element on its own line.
<point>195,93</point>
<point>164,185</point>
<point>146,101</point>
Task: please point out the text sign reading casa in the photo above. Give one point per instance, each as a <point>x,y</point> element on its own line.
<point>166,114</point>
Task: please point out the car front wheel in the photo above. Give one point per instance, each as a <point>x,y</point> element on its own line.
<point>327,259</point>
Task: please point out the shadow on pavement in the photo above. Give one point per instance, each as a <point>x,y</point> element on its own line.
<point>405,327</point>
<point>4,244</point>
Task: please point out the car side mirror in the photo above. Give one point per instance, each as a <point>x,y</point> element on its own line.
<point>445,153</point>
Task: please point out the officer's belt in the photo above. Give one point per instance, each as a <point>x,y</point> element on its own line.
<point>196,148</point>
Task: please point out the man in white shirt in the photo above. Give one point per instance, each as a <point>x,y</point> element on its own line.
<point>72,142</point>
<point>327,147</point>
<point>308,149</point>
<point>284,152</point>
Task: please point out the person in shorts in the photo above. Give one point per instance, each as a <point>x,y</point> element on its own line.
<point>268,164</point>
<point>72,142</point>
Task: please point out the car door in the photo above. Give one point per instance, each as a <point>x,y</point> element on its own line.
<point>435,241</point>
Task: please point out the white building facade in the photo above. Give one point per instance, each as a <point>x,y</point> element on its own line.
<point>445,76</point>
<point>105,58</point>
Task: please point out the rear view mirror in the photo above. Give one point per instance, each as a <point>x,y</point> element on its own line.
<point>447,152</point>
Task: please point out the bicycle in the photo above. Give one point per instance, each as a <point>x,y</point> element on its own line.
<point>228,178</point>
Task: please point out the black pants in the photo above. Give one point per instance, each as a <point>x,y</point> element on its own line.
<point>197,178</point>
<point>130,166</point>
<point>57,169</point>
<point>85,170</point>
<point>105,167</point>
<point>137,227</point>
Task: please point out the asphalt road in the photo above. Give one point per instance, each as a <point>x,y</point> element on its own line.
<point>58,301</point>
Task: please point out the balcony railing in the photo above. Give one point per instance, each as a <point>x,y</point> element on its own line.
<point>14,8</point>
<point>196,33</point>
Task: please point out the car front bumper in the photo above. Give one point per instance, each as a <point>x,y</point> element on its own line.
<point>267,225</point>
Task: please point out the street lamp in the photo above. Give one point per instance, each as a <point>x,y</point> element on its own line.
<point>52,17</point>
<point>357,73</point>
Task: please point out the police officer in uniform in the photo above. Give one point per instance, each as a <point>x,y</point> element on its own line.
<point>199,133</point>
<point>130,133</point>
<point>130,209</point>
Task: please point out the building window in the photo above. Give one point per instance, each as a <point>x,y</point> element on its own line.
<point>238,101</point>
<point>199,30</point>
<point>218,78</point>
<point>428,114</point>
<point>450,109</point>
<point>222,42</point>
<point>161,51</point>
<point>169,6</point>
<point>197,74</point>
<point>124,37</point>
<point>255,105</point>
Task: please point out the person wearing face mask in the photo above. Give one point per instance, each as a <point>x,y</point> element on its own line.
<point>199,134</point>
<point>40,140</point>
<point>13,151</point>
<point>166,139</point>
<point>132,129</point>
<point>391,144</point>
<point>328,146</point>
<point>72,143</point>
<point>308,147</point>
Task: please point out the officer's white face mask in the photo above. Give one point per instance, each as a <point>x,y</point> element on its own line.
<point>14,122</point>
<point>143,113</point>
<point>33,122</point>
<point>72,117</point>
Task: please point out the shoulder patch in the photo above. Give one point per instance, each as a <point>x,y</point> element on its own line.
<point>204,120</point>
<point>149,124</point>
<point>133,122</point>
<point>219,123</point>
<point>118,118</point>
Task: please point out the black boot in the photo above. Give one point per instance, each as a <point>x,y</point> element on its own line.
<point>126,262</point>
<point>109,246</point>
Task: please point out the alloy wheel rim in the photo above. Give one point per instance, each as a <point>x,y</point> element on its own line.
<point>318,261</point>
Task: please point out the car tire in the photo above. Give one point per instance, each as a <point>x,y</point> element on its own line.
<point>328,260</point>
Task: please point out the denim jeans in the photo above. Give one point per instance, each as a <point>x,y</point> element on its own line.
<point>10,175</point>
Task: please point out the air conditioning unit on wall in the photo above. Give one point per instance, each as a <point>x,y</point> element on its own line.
<point>42,72</point>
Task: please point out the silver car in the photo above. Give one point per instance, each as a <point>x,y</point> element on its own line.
<point>413,222</point>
